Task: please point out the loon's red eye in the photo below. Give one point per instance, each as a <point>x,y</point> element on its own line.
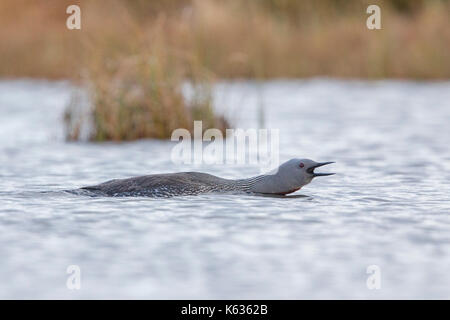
<point>301,165</point>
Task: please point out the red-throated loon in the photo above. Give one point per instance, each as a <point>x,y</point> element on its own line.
<point>288,178</point>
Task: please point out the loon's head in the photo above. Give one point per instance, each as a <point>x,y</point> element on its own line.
<point>291,176</point>
<point>301,171</point>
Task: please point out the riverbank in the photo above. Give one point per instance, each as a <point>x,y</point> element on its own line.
<point>134,56</point>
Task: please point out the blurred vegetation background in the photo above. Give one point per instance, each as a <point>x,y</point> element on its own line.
<point>134,55</point>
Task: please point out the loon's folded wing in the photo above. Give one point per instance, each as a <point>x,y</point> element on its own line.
<point>158,184</point>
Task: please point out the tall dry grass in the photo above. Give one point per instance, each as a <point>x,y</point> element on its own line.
<point>135,55</point>
<point>234,38</point>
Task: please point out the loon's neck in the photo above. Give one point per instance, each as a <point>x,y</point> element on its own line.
<point>267,183</point>
<point>258,184</point>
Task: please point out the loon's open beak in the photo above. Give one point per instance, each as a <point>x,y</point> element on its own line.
<point>310,170</point>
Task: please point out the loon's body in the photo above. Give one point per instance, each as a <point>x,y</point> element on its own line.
<point>169,184</point>
<point>288,178</point>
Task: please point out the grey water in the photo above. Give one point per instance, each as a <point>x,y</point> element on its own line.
<point>388,205</point>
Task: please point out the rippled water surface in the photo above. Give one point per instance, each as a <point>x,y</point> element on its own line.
<point>388,205</point>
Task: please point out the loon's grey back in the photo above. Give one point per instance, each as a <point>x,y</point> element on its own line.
<point>163,185</point>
